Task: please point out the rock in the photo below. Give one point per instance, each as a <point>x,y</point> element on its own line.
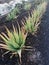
<point>5,8</point>
<point>3,1</point>
<point>35,56</point>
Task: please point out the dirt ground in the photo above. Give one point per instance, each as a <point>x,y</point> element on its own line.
<point>39,55</point>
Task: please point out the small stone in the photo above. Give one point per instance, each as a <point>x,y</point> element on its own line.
<point>35,56</point>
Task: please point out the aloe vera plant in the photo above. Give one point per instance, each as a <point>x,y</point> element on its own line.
<point>37,14</point>
<point>27,6</point>
<point>32,23</point>
<point>14,41</point>
<point>12,14</point>
<point>29,25</point>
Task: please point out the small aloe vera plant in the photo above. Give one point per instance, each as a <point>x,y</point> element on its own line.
<point>32,23</point>
<point>13,14</point>
<point>29,25</point>
<point>14,41</point>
